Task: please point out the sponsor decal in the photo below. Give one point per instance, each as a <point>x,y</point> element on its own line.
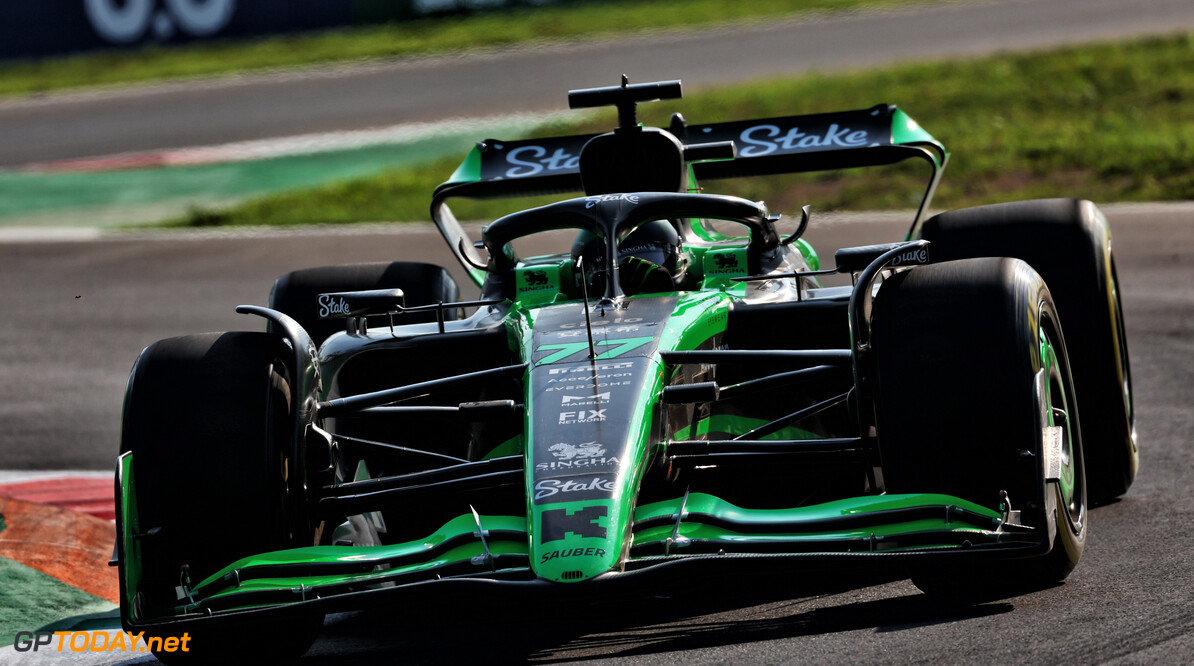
<point>533,160</point>
<point>584,399</point>
<point>587,378</point>
<point>573,330</point>
<point>582,416</point>
<point>590,368</point>
<point>636,250</point>
<point>582,464</point>
<point>331,307</point>
<point>565,451</point>
<point>726,261</point>
<point>557,523</point>
<point>593,201</point>
<point>754,138</point>
<point>916,256</point>
<point>549,487</point>
<point>583,456</point>
<point>766,139</point>
<point>598,323</point>
<point>600,385</point>
<point>126,21</point>
<point>591,551</point>
<point>532,281</point>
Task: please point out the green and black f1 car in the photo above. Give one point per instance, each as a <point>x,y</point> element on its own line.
<point>680,391</point>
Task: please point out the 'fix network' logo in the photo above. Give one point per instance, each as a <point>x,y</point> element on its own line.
<point>582,416</point>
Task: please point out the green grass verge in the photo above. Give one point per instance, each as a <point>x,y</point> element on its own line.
<point>1107,122</point>
<point>32,600</point>
<point>424,36</point>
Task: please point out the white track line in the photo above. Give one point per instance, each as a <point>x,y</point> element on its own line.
<point>303,144</point>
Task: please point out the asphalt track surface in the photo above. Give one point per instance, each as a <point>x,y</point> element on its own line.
<point>77,313</point>
<point>385,93</point>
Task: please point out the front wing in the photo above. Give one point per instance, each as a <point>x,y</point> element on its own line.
<point>679,536</point>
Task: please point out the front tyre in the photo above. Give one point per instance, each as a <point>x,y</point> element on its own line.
<point>1069,243</point>
<point>974,397</point>
<point>208,421</point>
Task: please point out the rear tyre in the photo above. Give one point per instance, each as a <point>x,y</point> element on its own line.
<point>1069,243</point>
<point>971,376</point>
<point>208,421</point>
<point>297,293</point>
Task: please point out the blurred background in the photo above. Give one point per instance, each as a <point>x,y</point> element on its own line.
<point>195,113</point>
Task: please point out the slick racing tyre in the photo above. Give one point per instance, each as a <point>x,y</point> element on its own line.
<point>972,377</point>
<point>1069,243</point>
<point>297,293</point>
<point>207,419</point>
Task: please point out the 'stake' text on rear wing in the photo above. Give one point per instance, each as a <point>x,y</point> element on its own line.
<point>880,135</point>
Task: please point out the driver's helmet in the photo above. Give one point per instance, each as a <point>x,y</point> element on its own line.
<point>650,258</point>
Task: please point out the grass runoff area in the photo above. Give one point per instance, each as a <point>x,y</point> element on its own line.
<point>439,34</point>
<point>1107,122</point>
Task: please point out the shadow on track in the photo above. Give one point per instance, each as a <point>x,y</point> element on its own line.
<point>704,615</point>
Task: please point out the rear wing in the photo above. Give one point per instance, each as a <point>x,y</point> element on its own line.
<point>880,135</point>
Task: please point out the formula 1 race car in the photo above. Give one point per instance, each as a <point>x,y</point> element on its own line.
<point>678,390</point>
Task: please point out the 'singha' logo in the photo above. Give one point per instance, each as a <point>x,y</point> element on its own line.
<point>726,261</point>
<point>565,451</point>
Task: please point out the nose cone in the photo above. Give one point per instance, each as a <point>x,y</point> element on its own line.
<point>589,426</point>
<point>590,422</point>
<point>590,436</point>
<point>575,540</point>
